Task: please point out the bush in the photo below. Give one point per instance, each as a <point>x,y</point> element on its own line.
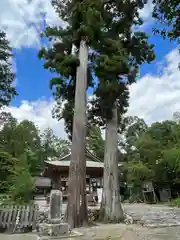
<point>138,173</point>
<point>175,203</point>
<point>22,184</point>
<point>7,163</point>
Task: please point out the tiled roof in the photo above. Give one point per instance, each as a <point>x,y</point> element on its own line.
<point>89,164</point>
<point>88,154</point>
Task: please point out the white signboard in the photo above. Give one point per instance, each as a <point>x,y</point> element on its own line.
<point>99,193</point>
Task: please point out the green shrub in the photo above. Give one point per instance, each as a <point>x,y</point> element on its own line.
<point>7,165</point>
<point>138,172</point>
<point>22,184</point>
<point>175,202</point>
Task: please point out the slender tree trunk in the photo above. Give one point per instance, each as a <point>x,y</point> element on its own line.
<point>111,209</point>
<point>76,213</point>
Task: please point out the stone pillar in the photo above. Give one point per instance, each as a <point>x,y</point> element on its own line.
<point>55,227</point>
<point>55,207</point>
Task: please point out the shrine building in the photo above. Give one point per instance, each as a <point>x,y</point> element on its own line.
<point>58,171</point>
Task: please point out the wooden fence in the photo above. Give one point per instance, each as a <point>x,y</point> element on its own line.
<point>15,218</point>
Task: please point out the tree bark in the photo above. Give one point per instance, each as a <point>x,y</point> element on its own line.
<point>111,209</point>
<point>76,212</point>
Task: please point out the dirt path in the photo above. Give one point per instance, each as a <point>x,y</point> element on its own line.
<point>114,232</point>
<point>149,215</point>
<point>134,232</point>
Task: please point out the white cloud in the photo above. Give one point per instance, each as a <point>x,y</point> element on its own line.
<point>23,20</point>
<point>156,98</point>
<point>153,97</point>
<point>146,12</point>
<point>40,113</point>
<point>146,15</point>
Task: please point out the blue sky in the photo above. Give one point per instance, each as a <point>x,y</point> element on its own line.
<point>23,21</point>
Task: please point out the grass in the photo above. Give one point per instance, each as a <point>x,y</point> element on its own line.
<point>175,202</point>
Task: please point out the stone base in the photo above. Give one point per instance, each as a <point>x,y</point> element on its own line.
<point>56,229</point>
<point>70,235</point>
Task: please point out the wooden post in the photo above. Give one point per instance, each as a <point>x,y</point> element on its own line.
<point>59,180</point>
<point>89,185</point>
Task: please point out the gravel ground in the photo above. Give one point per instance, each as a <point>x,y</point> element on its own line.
<point>115,232</point>
<point>156,217</point>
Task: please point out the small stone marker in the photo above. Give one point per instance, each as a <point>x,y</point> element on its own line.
<point>55,207</point>
<point>55,228</point>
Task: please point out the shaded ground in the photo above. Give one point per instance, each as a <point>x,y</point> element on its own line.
<point>115,232</point>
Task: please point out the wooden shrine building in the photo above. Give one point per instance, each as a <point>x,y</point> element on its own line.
<point>58,171</point>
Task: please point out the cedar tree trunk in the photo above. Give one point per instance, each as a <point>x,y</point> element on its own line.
<point>111,209</point>
<point>76,212</point>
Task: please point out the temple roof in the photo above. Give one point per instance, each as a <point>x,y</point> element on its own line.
<point>89,164</point>
<point>89,155</point>
<point>94,161</point>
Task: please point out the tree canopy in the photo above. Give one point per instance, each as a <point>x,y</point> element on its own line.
<point>95,142</point>
<point>7,76</point>
<point>167,15</point>
<point>23,151</point>
<point>156,150</point>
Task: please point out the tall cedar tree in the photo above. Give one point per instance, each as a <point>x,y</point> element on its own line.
<point>118,58</point>
<point>83,20</point>
<point>7,91</point>
<point>167,13</point>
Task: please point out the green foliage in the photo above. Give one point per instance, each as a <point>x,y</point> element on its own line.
<point>7,91</point>
<point>167,14</point>
<point>149,149</point>
<point>175,203</point>
<point>54,146</point>
<point>83,22</point>
<point>22,154</point>
<point>132,128</point>
<point>167,132</point>
<point>34,160</point>
<point>19,138</point>
<point>5,118</point>
<point>119,56</point>
<point>22,184</point>
<point>167,170</point>
<point>156,149</point>
<point>115,58</point>
<point>7,163</point>
<point>95,142</point>
<point>138,173</point>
